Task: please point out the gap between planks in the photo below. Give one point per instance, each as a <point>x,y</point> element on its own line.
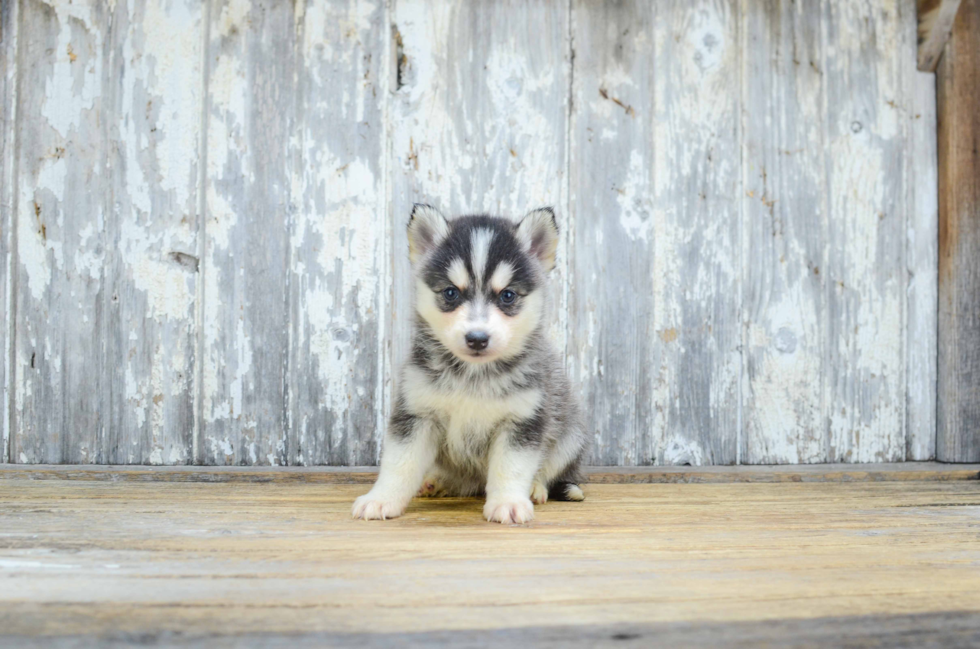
<point>898,472</point>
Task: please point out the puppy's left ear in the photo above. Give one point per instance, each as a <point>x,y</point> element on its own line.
<point>538,232</point>
<point>427,227</point>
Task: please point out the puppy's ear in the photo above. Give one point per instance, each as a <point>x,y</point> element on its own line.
<point>538,233</point>
<point>427,227</point>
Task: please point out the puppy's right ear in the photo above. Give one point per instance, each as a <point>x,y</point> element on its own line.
<point>427,227</point>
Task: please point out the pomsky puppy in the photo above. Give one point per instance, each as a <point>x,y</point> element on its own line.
<point>483,405</point>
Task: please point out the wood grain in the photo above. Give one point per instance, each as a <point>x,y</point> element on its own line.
<point>339,238</point>
<point>63,198</point>
<point>799,197</point>
<point>251,119</point>
<point>922,259</point>
<point>202,248</point>
<point>151,263</point>
<point>866,133</point>
<point>785,209</point>
<point>697,231</point>
<point>958,90</point>
<point>8,155</point>
<point>98,560</point>
<point>614,353</point>
<point>897,631</point>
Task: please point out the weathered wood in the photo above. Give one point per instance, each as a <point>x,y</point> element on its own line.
<point>900,472</point>
<point>138,561</point>
<point>896,631</point>
<point>923,264</point>
<point>204,209</point>
<point>785,212</point>
<point>935,18</point>
<point>654,332</point>
<point>129,473</point>
<point>152,263</point>
<point>63,197</point>
<point>339,236</point>
<point>696,230</point>
<point>250,125</point>
<point>478,123</point>
<point>614,353</point>
<point>958,95</point>
<point>878,472</point>
<point>866,131</point>
<point>795,290</point>
<point>8,189</point>
<point>941,629</point>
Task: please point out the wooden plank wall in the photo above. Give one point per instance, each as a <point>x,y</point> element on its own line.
<point>204,254</point>
<point>958,90</point>
<point>8,106</point>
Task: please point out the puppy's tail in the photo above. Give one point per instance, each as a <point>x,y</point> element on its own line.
<point>565,491</point>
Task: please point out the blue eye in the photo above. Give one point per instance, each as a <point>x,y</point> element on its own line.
<point>451,293</point>
<point>508,296</point>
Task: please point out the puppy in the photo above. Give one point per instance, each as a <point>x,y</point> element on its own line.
<point>483,405</point>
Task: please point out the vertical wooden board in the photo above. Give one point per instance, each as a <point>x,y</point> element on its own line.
<point>866,285</point>
<point>62,189</point>
<point>958,95</point>
<point>250,114</point>
<point>922,250</point>
<point>784,210</point>
<point>614,350</point>
<point>339,235</point>
<point>478,122</point>
<point>696,232</point>
<point>152,263</point>
<point>8,138</point>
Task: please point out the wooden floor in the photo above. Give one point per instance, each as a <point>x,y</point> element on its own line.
<point>97,558</point>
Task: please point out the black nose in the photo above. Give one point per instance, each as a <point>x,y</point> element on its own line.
<point>477,340</point>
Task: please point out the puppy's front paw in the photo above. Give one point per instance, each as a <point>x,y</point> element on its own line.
<point>372,506</point>
<point>509,510</point>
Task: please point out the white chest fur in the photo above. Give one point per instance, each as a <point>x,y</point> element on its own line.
<point>468,419</point>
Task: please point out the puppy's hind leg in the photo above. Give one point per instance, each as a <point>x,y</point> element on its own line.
<point>435,484</point>
<point>566,491</point>
<point>539,490</point>
<point>559,491</point>
<point>561,475</point>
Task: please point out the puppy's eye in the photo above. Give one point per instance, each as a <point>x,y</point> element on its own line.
<point>451,294</point>
<point>508,296</point>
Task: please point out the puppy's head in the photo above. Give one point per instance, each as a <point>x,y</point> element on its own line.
<point>479,279</point>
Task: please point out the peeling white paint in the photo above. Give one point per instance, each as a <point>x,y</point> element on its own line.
<point>172,42</point>
<point>635,200</point>
<point>679,450</point>
<point>73,86</point>
<point>168,287</point>
<point>236,388</point>
<point>234,16</point>
<point>480,124</point>
<point>32,251</point>
<point>136,393</point>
